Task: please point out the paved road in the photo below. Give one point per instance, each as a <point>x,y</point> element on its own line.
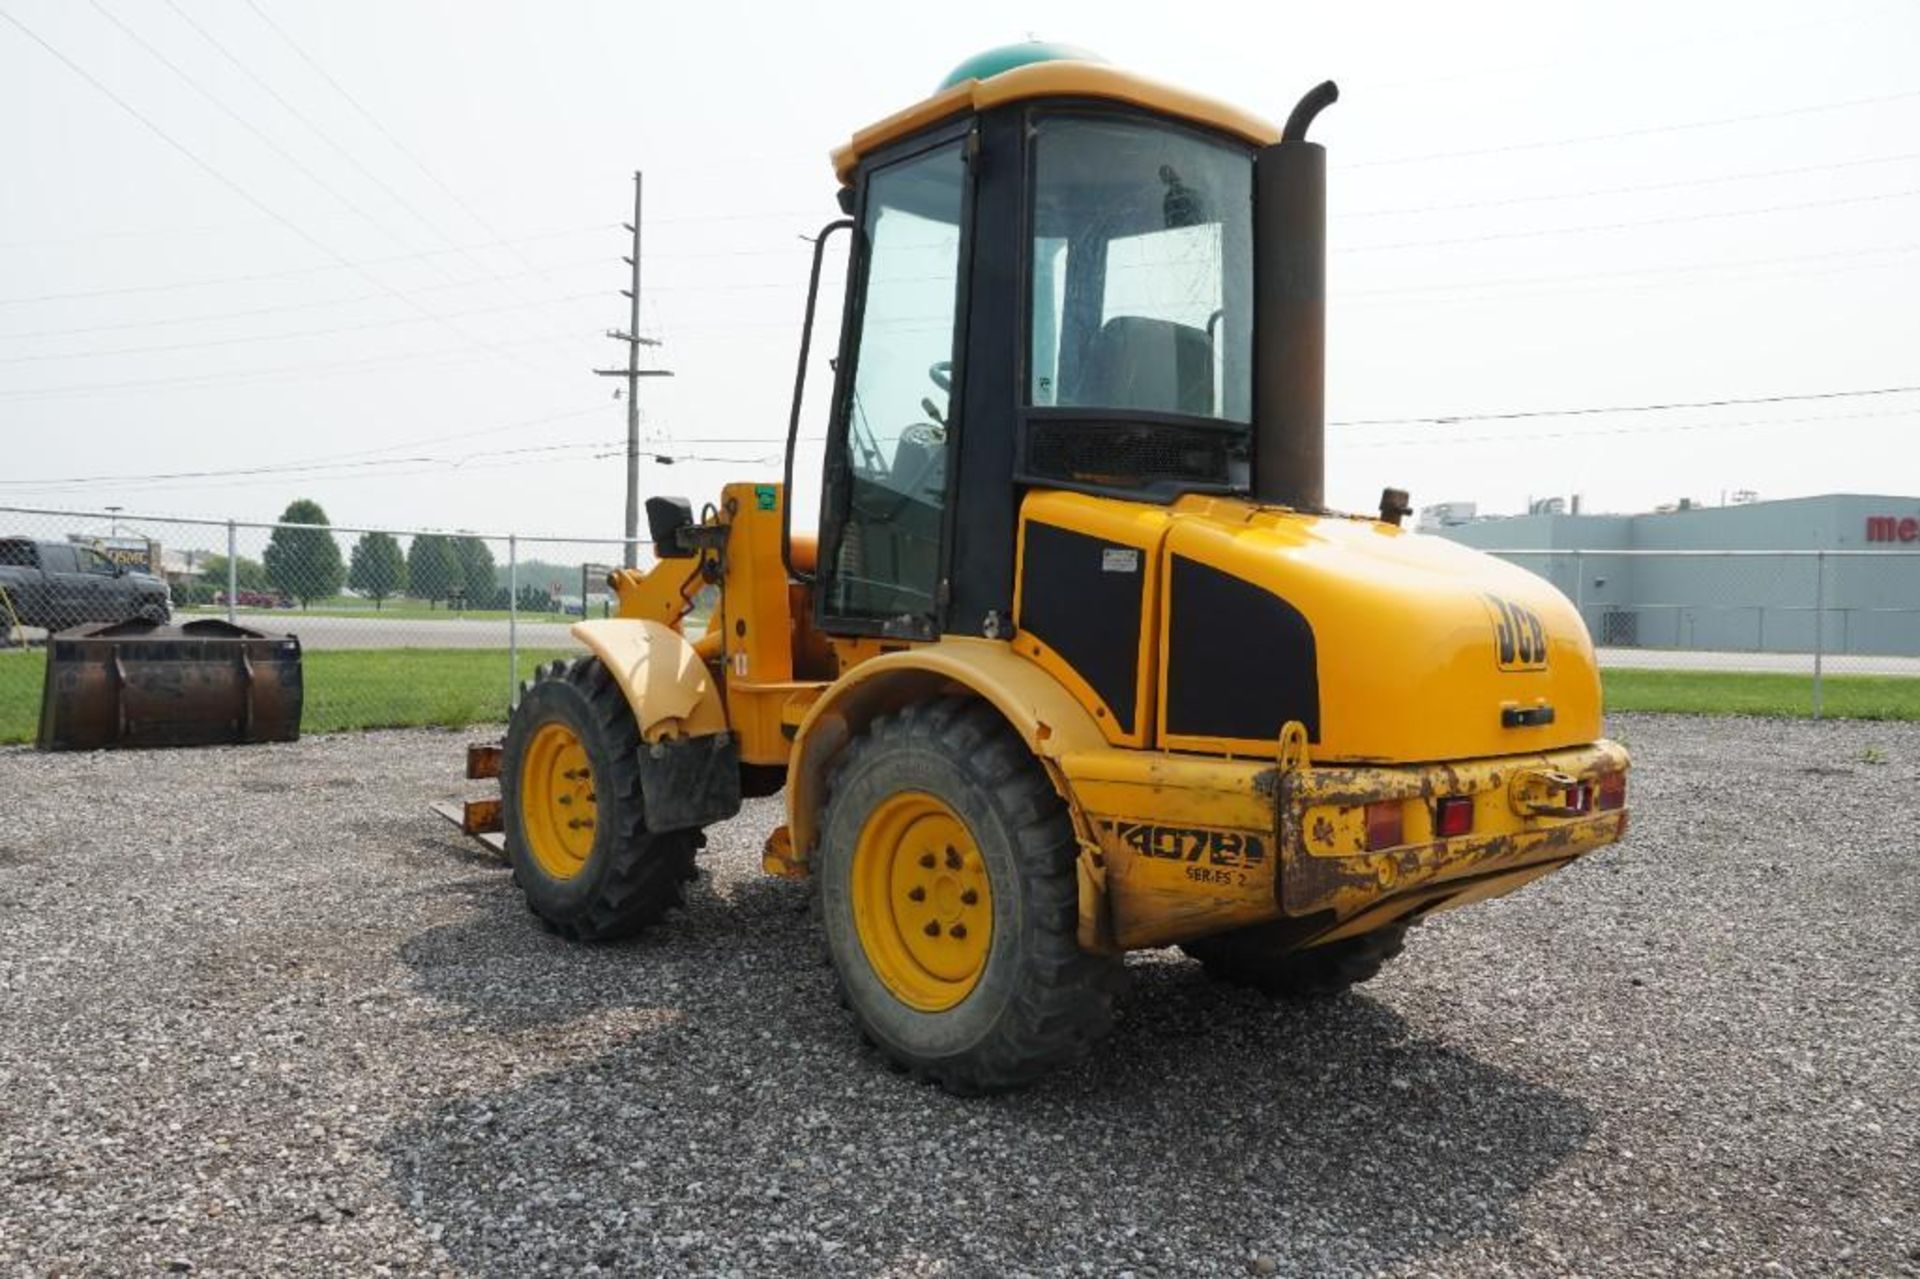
<point>320,633</point>
<point>1661,659</point>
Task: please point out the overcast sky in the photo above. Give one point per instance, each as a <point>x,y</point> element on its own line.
<point>382,239</point>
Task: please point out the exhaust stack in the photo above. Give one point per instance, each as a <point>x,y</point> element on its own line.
<point>1290,313</point>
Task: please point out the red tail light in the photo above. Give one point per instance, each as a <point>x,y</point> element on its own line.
<point>1453,816</point>
<point>1384,825</point>
<point>1610,791</point>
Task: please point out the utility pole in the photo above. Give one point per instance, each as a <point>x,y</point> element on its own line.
<point>633,373</point>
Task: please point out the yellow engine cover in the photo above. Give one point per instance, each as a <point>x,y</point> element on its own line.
<point>1421,649</point>
<point>1390,647</point>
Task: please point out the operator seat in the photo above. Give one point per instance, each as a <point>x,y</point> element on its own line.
<point>1138,362</point>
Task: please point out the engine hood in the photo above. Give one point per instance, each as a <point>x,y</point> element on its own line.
<point>1390,646</point>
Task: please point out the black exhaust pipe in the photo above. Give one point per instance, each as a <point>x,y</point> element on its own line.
<point>1290,313</point>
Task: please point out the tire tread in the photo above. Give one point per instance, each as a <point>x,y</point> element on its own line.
<point>647,872</point>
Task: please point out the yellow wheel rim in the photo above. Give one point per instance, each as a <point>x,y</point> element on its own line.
<point>557,803</point>
<point>922,902</point>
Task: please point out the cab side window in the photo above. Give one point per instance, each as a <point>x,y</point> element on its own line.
<point>887,561</point>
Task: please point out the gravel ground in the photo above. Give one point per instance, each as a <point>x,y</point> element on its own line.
<point>260,1012</point>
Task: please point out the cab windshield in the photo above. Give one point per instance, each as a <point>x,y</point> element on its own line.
<point>1141,312</point>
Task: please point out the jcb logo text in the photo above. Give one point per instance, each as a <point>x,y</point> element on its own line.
<point>1518,638</point>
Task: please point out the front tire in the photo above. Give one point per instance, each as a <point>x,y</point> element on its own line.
<point>949,898</point>
<point>570,808</point>
<point>1265,960</point>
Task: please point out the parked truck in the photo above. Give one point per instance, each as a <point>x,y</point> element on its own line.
<point>53,585</point>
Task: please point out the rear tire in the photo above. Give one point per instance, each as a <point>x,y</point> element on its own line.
<point>943,799</point>
<point>1260,957</point>
<point>570,809</point>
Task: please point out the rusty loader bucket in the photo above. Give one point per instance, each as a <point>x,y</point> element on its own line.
<point>206,683</point>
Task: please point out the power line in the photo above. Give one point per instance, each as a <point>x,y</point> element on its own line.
<point>381,128</point>
<point>281,308</point>
<point>241,191</point>
<point>1540,232</point>
<point>1454,286</point>
<point>1647,131</point>
<point>294,333</point>
<point>445,354</point>
<point>1630,190</point>
<point>1589,56</point>
<point>419,467</point>
<point>209,97</point>
<point>310,462</point>
<point>341,264</point>
<point>1662,428</point>
<point>1451,418</point>
<point>265,85</point>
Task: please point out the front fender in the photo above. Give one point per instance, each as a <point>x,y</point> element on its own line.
<point>672,692</point>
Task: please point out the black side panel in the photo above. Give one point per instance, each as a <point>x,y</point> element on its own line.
<point>1089,615</point>
<point>983,508</point>
<point>1240,660</point>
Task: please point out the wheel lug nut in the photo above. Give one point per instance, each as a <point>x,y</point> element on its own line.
<point>918,894</point>
<point>926,861</point>
<point>959,932</point>
<point>953,858</point>
<point>969,898</point>
<point>933,928</point>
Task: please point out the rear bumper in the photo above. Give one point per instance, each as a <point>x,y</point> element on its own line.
<point>1520,829</point>
<point>1177,846</point>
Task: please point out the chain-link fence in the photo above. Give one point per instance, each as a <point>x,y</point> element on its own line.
<point>433,627</point>
<point>397,627</point>
<point>1812,622</point>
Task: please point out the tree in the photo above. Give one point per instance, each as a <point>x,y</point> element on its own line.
<point>248,575</point>
<point>304,562</point>
<point>433,571</point>
<point>476,572</point>
<point>535,599</point>
<point>378,568</point>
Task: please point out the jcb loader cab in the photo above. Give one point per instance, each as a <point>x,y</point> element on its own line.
<point>1079,662</point>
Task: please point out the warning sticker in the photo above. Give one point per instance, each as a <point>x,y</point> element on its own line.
<point>1120,559</point>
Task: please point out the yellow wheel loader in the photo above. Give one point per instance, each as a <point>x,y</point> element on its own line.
<point>1079,662</point>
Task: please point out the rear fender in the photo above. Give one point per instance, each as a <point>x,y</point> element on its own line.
<point>1033,702</point>
<point>669,687</point>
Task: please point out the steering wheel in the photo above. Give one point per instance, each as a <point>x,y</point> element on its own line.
<point>941,373</point>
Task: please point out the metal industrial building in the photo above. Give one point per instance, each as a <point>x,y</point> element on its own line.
<point>1752,577</point>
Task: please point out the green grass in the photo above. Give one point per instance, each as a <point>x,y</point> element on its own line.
<point>402,688</point>
<point>1751,693</point>
<point>353,689</point>
<point>21,676</point>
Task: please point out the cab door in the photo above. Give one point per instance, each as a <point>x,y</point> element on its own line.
<point>885,506</point>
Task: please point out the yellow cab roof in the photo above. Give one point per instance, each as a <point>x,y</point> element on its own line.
<point>1059,78</point>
